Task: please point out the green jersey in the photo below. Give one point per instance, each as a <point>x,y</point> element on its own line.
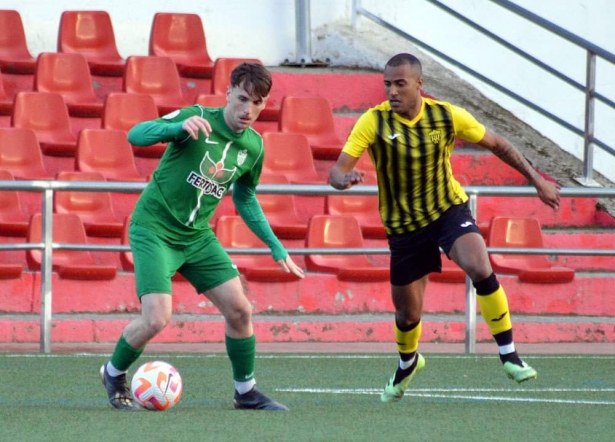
<point>194,175</point>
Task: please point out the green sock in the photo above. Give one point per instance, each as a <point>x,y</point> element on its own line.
<point>242,353</point>
<point>124,355</point>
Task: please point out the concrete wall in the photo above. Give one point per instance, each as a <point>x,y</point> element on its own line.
<point>234,28</point>
<point>589,19</point>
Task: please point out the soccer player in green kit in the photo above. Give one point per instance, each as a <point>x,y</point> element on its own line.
<point>209,149</point>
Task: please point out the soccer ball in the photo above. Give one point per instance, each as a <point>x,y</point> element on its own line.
<point>157,386</point>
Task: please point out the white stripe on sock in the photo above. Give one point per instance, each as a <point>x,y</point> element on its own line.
<point>406,364</point>
<point>112,371</point>
<point>244,387</point>
<point>506,349</point>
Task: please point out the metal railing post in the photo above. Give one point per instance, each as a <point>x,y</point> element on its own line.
<point>588,137</point>
<point>354,18</point>
<point>470,336</point>
<point>46,272</point>
<point>303,31</point>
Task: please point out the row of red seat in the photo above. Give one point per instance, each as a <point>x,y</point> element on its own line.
<point>107,151</point>
<point>69,75</point>
<point>47,114</point>
<point>323,231</point>
<point>180,36</point>
<point>104,151</point>
<point>96,209</point>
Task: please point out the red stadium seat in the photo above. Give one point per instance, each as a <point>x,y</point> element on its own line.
<point>313,117</point>
<point>6,104</point>
<point>20,154</point>
<point>95,209</point>
<point>221,80</point>
<point>15,58</point>
<point>524,233</point>
<point>363,207</point>
<point>158,77</point>
<point>90,33</point>
<point>46,114</point>
<point>70,264</point>
<point>181,37</point>
<point>123,110</point>
<point>10,271</point>
<point>289,154</point>
<point>69,76</point>
<point>107,152</point>
<point>328,231</point>
<point>281,211</point>
<point>232,232</point>
<point>13,222</point>
<point>209,100</point>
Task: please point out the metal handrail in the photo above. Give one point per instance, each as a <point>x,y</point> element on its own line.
<point>47,245</point>
<point>589,139</point>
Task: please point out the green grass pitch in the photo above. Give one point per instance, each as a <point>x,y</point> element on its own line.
<point>332,397</point>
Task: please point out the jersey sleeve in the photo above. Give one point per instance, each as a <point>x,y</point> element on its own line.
<point>248,207</point>
<point>162,130</point>
<point>466,126</point>
<point>362,136</point>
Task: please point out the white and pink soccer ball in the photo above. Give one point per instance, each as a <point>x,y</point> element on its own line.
<point>157,386</point>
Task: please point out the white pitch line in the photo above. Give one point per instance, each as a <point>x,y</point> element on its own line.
<point>513,399</point>
<point>300,356</point>
<point>450,390</point>
<point>413,393</point>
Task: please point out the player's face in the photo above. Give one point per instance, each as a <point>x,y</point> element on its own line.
<point>403,86</point>
<point>242,108</point>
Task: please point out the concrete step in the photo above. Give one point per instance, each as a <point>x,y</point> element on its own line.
<point>589,294</point>
<point>583,239</point>
<point>360,328</point>
<point>361,89</point>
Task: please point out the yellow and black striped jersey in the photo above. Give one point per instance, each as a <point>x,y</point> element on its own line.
<point>412,159</point>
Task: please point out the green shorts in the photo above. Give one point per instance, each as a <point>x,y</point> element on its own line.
<point>203,261</point>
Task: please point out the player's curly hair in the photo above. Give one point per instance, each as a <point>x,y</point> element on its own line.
<point>403,58</point>
<point>255,77</point>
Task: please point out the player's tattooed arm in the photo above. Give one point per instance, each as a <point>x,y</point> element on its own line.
<point>548,191</point>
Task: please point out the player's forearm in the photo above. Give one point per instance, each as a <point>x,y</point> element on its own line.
<point>147,133</point>
<point>251,212</point>
<point>513,158</point>
<point>337,178</point>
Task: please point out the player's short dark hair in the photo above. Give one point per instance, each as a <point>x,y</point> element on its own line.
<point>403,58</point>
<point>255,77</point>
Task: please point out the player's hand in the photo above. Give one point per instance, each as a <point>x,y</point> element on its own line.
<point>353,177</point>
<point>548,192</point>
<point>196,124</point>
<point>289,266</point>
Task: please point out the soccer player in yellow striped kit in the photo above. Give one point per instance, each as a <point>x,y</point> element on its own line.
<point>410,139</point>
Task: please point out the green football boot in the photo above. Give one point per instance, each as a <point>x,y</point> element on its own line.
<point>393,393</point>
<point>520,373</point>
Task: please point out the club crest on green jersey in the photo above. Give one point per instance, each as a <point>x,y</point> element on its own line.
<point>213,175</point>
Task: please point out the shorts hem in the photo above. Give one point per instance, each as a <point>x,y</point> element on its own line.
<point>140,295</point>
<point>201,290</point>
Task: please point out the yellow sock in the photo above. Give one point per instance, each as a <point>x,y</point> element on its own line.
<point>408,341</point>
<point>494,308</point>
